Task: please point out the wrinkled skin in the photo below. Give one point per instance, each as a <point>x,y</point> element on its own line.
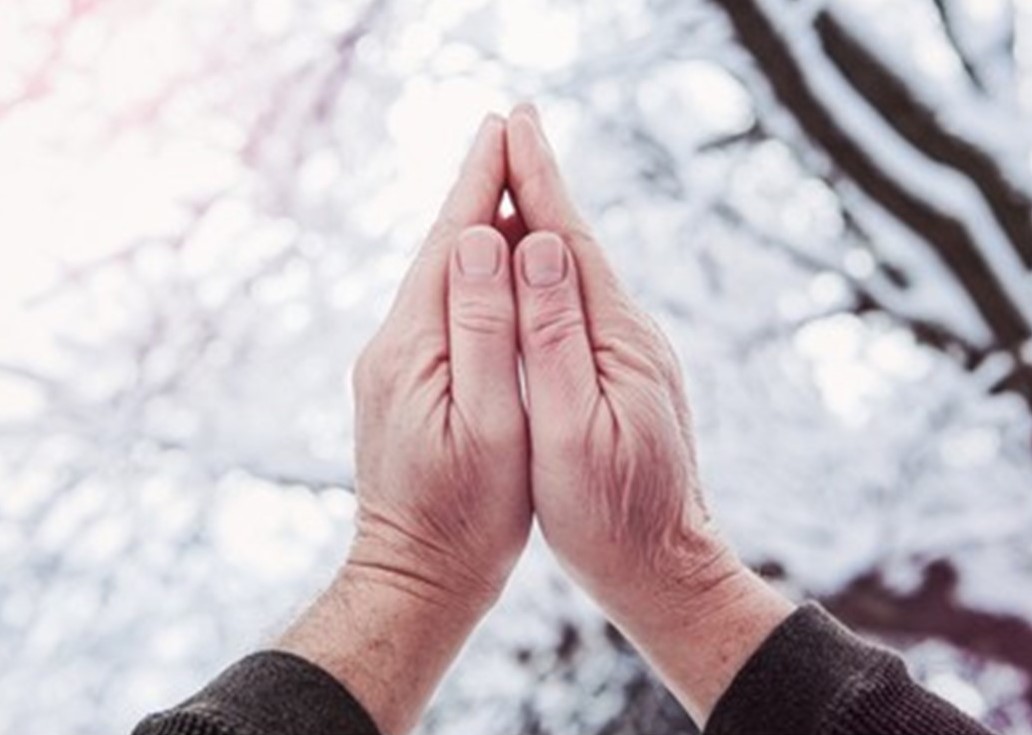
<point>452,462</point>
<point>442,450</point>
<point>613,466</point>
<point>445,476</point>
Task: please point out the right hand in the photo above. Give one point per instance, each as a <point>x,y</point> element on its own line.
<point>613,471</point>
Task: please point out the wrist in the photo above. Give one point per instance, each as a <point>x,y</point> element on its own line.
<point>386,638</point>
<point>681,579</point>
<point>439,575</point>
<point>366,586</point>
<point>700,619</point>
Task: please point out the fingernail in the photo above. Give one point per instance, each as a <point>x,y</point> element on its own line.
<point>544,260</point>
<point>479,253</point>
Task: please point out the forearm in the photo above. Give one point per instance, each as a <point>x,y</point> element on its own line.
<point>698,625</point>
<point>386,641</point>
<point>740,658</point>
<point>813,676</point>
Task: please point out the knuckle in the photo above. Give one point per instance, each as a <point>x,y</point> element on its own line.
<point>416,343</point>
<point>637,341</point>
<point>554,323</point>
<point>375,373</point>
<point>391,355</point>
<point>422,340</point>
<point>443,230</point>
<point>535,180</point>
<point>578,235</point>
<point>661,351</point>
<point>580,238</point>
<point>482,316</point>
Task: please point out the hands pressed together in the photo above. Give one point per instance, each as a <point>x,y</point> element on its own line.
<point>454,460</point>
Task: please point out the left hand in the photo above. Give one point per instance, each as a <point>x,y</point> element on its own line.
<point>442,462</point>
<point>442,478</point>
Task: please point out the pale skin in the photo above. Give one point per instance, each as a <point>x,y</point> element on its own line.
<point>452,463</point>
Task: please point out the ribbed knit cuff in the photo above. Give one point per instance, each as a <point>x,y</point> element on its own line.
<point>790,683</point>
<point>268,693</point>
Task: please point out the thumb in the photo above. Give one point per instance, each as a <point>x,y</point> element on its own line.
<point>562,382</point>
<point>482,328</point>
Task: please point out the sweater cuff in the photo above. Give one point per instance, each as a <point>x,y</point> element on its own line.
<point>796,677</point>
<point>267,693</point>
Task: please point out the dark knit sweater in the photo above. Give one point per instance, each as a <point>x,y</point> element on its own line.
<point>810,677</point>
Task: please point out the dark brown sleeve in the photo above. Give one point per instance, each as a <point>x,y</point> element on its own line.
<point>269,693</point>
<point>814,677</point>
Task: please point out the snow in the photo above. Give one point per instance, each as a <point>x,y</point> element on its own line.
<point>941,187</point>
<point>197,241</point>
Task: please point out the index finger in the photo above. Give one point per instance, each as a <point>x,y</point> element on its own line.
<point>544,203</point>
<point>473,200</point>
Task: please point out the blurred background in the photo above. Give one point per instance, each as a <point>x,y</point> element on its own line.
<point>205,208</point>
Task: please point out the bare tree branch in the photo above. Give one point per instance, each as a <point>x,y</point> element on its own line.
<point>944,8</point>
<point>947,237</point>
<point>888,93</point>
